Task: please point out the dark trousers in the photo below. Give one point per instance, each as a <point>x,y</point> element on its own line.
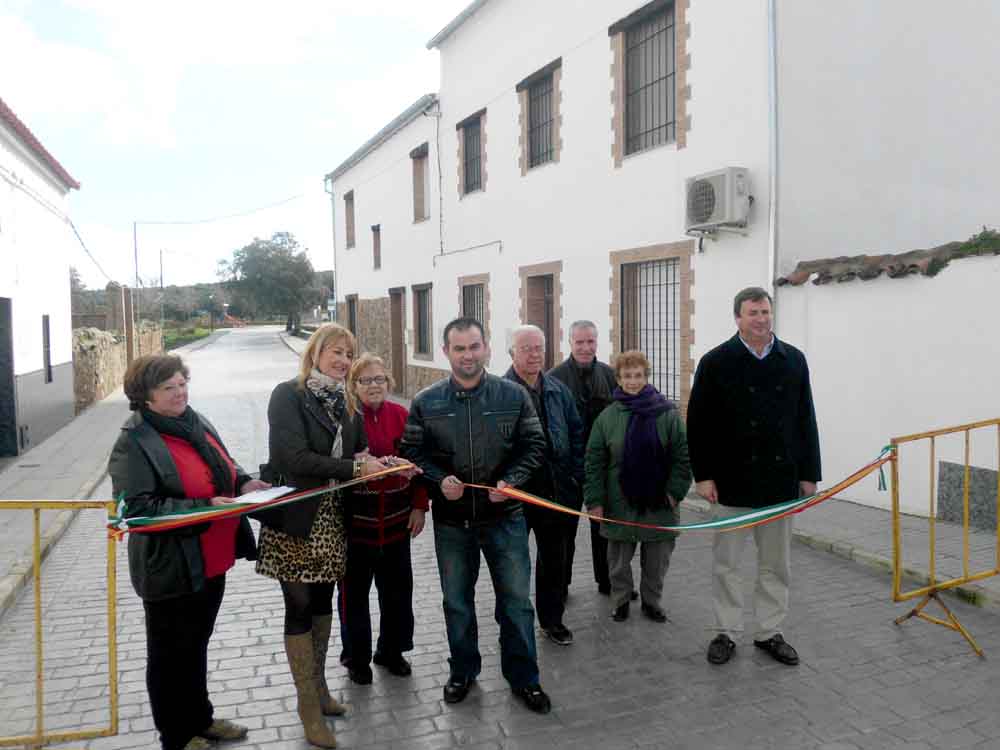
<point>391,570</point>
<point>177,634</point>
<point>599,550</point>
<point>552,565</point>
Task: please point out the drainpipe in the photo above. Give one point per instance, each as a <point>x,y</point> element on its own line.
<point>328,187</point>
<point>772,99</point>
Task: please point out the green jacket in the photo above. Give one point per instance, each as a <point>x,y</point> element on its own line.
<point>604,460</point>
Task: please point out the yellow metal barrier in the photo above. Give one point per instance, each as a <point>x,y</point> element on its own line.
<point>40,737</point>
<point>930,591</point>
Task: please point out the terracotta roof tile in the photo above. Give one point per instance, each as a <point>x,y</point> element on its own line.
<point>894,265</point>
<point>34,145</point>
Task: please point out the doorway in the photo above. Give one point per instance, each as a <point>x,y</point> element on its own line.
<point>8,405</point>
<point>397,325</point>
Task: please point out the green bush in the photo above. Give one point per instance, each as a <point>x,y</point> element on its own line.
<point>176,337</point>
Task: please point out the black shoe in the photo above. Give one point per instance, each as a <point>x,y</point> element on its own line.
<point>621,613</point>
<point>396,664</point>
<point>779,650</point>
<point>604,589</point>
<point>634,595</point>
<point>456,689</point>
<point>361,674</point>
<point>534,698</point>
<point>559,634</point>
<point>720,650</point>
<point>654,613</point>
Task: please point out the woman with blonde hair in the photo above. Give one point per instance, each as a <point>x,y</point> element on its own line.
<point>384,516</point>
<point>637,469</point>
<point>316,437</point>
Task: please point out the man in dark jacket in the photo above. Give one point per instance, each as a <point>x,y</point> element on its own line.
<point>477,428</point>
<point>592,384</point>
<point>559,478</point>
<point>753,442</point>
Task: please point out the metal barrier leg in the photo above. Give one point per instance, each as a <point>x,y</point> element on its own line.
<point>951,623</point>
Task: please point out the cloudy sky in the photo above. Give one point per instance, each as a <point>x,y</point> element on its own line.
<point>198,109</point>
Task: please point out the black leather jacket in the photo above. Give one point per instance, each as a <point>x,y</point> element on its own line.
<point>483,435</point>
<point>168,563</point>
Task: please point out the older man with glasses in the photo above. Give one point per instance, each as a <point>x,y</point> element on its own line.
<point>559,478</point>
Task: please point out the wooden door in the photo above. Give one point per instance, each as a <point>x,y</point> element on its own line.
<point>397,325</point>
<point>541,311</point>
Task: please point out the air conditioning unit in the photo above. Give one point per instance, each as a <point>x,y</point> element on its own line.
<point>718,199</point>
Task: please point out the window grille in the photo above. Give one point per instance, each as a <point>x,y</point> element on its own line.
<point>540,121</point>
<point>349,218</point>
<point>352,314</point>
<point>472,135</point>
<point>422,302</point>
<point>650,319</point>
<point>474,302</point>
<point>46,349</point>
<point>650,82</point>
<point>377,246</point>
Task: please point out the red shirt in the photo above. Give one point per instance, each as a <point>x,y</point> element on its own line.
<point>218,543</point>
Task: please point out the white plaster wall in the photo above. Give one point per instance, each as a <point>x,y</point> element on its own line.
<point>885,124</point>
<point>582,208</point>
<point>35,246</point>
<point>894,357</point>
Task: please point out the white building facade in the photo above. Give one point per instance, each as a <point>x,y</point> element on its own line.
<point>36,337</point>
<point>548,182</point>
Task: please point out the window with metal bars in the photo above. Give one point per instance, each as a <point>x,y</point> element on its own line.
<point>46,348</point>
<point>349,218</point>
<point>472,156</point>
<point>650,82</point>
<point>540,122</point>
<point>377,246</point>
<point>650,319</point>
<point>474,302</point>
<point>352,313</point>
<point>422,319</point>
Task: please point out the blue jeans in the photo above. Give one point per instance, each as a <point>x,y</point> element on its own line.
<point>504,544</point>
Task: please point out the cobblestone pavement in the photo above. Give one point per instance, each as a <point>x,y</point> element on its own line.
<point>863,682</point>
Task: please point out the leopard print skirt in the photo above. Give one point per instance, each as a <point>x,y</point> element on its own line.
<point>319,558</point>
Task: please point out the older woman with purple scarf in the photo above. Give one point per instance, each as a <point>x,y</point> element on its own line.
<point>637,470</point>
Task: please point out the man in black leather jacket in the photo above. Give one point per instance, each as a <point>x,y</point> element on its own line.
<point>477,428</point>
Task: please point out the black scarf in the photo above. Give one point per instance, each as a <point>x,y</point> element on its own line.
<point>645,460</point>
<point>190,428</point>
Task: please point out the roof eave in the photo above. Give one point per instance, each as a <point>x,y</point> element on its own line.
<point>423,104</point>
<point>457,21</point>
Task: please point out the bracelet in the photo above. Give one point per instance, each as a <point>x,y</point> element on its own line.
<point>358,466</point>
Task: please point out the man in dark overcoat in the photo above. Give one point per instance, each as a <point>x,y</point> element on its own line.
<point>592,383</point>
<point>753,442</point>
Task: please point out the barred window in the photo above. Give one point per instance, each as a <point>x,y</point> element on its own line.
<point>540,121</point>
<point>472,144</point>
<point>422,319</point>
<point>650,319</point>
<point>474,302</point>
<point>349,217</point>
<point>377,246</point>
<point>650,82</point>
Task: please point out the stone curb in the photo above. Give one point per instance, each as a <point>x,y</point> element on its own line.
<point>21,572</point>
<point>284,340</point>
<point>971,592</point>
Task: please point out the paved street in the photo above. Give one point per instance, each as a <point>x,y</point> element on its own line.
<point>863,682</point>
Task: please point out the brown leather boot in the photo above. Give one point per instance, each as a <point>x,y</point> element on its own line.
<point>321,642</point>
<point>299,649</point>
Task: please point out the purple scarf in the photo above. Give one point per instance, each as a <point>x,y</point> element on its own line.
<point>645,460</point>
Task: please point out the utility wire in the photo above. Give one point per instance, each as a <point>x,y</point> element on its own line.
<point>223,218</point>
<point>86,250</point>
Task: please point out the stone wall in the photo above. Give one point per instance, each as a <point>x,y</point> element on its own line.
<point>418,378</point>
<point>100,359</point>
<point>373,328</point>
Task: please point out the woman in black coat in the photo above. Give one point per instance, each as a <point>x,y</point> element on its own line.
<point>169,458</point>
<point>316,437</point>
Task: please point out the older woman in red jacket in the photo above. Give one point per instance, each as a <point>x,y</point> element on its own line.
<point>384,516</point>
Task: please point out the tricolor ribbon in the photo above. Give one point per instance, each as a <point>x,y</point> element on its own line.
<point>753,517</point>
<point>119,525</point>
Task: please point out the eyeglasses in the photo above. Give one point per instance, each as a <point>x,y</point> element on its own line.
<point>537,349</point>
<point>377,380</point>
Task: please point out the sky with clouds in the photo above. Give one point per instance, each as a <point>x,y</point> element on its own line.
<point>200,109</point>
